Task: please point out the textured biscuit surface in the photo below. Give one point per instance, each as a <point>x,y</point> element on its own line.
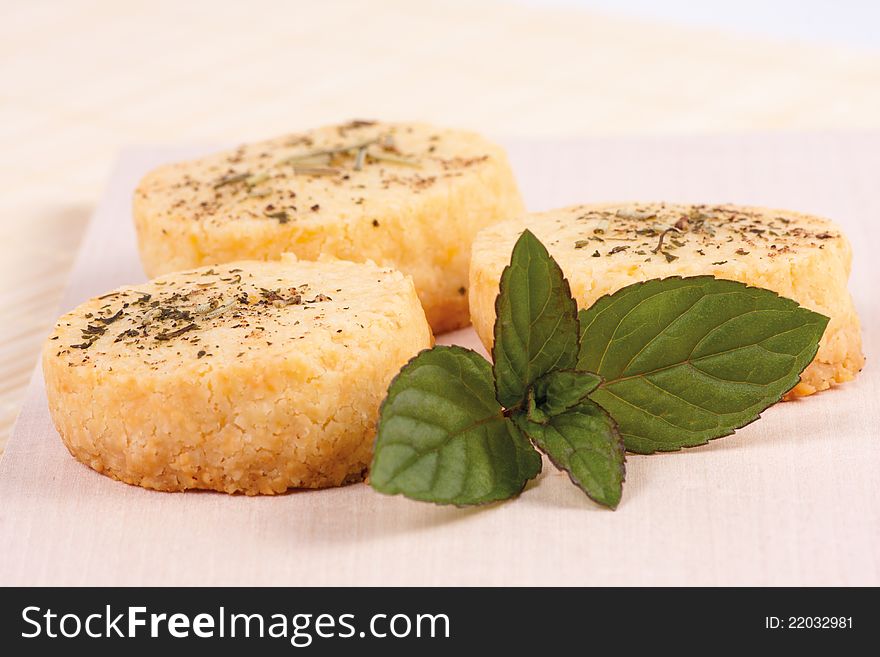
<point>602,248</point>
<point>408,196</point>
<point>250,377</point>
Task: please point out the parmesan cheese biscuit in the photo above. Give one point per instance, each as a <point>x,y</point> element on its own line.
<point>407,196</point>
<point>602,248</point>
<point>250,377</point>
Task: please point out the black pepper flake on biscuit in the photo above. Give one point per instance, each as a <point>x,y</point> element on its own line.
<point>128,333</point>
<point>281,216</point>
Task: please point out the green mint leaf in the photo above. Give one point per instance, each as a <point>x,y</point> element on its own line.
<point>536,324</point>
<point>443,438</point>
<point>686,360</point>
<point>584,441</point>
<point>558,391</point>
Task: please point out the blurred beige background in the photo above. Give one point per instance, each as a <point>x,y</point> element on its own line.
<point>81,79</point>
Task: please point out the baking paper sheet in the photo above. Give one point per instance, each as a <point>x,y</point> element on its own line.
<point>791,499</point>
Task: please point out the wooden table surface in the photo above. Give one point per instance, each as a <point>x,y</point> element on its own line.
<point>82,79</point>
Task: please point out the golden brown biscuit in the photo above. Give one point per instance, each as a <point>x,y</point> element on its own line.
<point>405,195</point>
<point>602,248</point>
<point>250,377</point>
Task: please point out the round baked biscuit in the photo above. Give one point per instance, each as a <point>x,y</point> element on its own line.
<point>250,377</point>
<point>602,248</point>
<point>405,195</point>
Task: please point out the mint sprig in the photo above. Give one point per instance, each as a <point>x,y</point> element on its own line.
<point>559,391</point>
<point>585,443</point>
<point>444,438</point>
<point>536,323</point>
<point>688,360</point>
<point>656,366</point>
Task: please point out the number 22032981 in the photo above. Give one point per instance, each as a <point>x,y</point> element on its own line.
<point>808,623</point>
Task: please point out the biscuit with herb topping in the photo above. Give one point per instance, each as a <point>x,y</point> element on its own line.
<point>250,377</point>
<point>602,248</point>
<point>408,196</point>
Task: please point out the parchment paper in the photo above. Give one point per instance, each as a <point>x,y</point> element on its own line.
<point>792,499</point>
